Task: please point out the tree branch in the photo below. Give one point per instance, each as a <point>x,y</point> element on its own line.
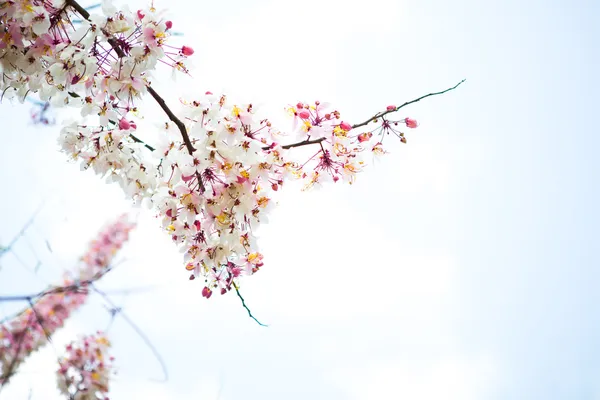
<point>245,306</point>
<point>382,113</point>
<point>137,140</point>
<point>137,330</point>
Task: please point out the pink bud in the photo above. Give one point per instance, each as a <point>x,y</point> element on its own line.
<point>363,137</point>
<point>304,114</point>
<point>197,224</point>
<point>169,24</point>
<point>208,93</point>
<point>206,292</point>
<point>140,14</point>
<point>187,51</point>
<point>124,124</point>
<point>345,126</point>
<point>169,213</point>
<point>390,108</point>
<point>411,123</point>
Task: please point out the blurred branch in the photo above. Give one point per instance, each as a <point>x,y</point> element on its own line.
<point>141,334</point>
<point>9,246</point>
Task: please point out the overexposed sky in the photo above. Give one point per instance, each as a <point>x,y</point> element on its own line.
<point>462,266</point>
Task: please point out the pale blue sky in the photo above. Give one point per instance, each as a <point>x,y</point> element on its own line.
<point>481,232</point>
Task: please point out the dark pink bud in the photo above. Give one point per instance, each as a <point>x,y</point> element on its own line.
<point>390,108</point>
<point>304,114</point>
<point>187,51</point>
<point>345,126</point>
<point>169,213</point>
<point>206,292</point>
<point>363,137</point>
<point>140,14</point>
<point>169,24</point>
<point>208,93</point>
<point>197,224</point>
<point>411,123</point>
<point>124,124</point>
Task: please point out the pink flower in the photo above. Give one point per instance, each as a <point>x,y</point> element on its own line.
<point>345,126</point>
<point>363,137</point>
<point>187,51</point>
<point>206,292</point>
<point>390,107</point>
<point>124,124</point>
<point>411,123</point>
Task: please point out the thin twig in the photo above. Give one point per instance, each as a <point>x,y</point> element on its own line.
<point>137,330</point>
<point>8,247</point>
<point>138,140</point>
<point>382,113</point>
<point>245,306</point>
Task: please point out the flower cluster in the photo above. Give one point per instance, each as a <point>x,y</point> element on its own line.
<point>86,368</point>
<point>214,174</point>
<point>102,66</point>
<point>31,329</point>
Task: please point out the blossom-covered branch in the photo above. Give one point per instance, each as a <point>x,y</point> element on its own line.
<point>221,164</point>
<point>49,309</point>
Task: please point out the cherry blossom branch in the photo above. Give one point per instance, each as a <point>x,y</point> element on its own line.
<point>372,119</point>
<point>53,306</point>
<point>161,102</point>
<point>382,113</point>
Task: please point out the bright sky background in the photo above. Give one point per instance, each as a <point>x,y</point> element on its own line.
<point>462,266</point>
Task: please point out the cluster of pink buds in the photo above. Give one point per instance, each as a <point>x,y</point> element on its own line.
<point>86,368</point>
<point>31,329</point>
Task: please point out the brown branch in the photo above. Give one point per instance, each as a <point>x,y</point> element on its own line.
<point>161,102</point>
<point>382,113</point>
<point>372,119</point>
